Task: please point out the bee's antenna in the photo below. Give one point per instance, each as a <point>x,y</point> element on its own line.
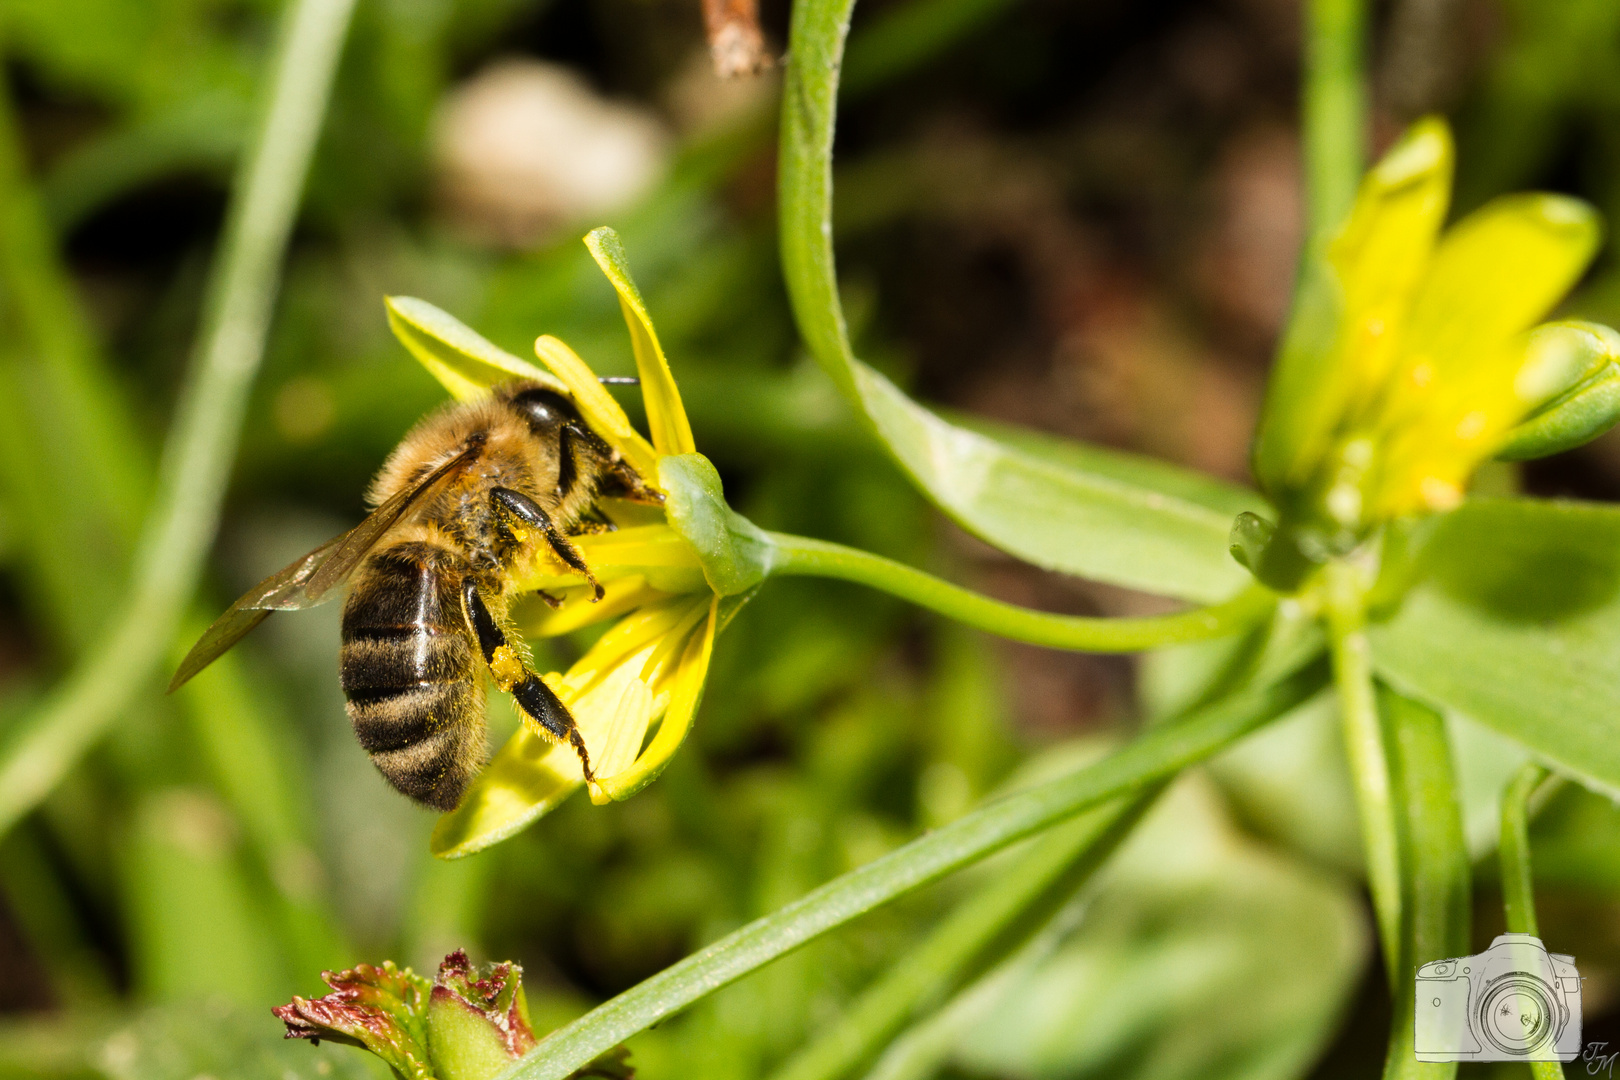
<point>618,380</point>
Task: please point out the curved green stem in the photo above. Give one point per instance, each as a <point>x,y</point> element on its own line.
<point>1364,744</point>
<point>202,443</point>
<point>800,555</point>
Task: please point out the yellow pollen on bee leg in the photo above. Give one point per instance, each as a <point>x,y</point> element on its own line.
<point>506,667</point>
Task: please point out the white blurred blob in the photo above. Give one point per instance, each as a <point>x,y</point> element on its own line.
<point>524,147</point>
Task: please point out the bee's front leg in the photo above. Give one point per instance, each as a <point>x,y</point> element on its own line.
<point>513,676</point>
<point>532,514</point>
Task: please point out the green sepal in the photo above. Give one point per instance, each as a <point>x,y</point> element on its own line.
<point>1588,408</point>
<point>736,554</point>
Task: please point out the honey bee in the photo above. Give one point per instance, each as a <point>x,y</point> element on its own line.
<point>474,493</point>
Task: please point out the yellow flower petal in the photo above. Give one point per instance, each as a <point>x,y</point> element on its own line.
<point>597,406</point>
<point>633,633</point>
<point>666,416</point>
<point>455,354</point>
<point>685,693</point>
<point>580,608</point>
<point>524,780</point>
<point>1467,375</point>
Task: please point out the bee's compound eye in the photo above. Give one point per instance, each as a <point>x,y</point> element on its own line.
<point>545,410</point>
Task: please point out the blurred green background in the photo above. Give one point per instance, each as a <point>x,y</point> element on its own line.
<point>1079,216</point>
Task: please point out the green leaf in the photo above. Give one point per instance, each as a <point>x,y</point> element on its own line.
<point>1589,356</point>
<point>735,553</point>
<point>1041,508</point>
<point>457,355</point>
<point>1515,621</point>
<point>380,1008</point>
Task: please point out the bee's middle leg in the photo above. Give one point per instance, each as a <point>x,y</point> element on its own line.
<point>515,677</point>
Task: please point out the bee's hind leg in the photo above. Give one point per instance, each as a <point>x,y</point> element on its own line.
<point>533,515</point>
<point>514,676</point>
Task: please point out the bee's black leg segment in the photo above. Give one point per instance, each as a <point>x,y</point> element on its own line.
<point>527,689</point>
<point>532,514</point>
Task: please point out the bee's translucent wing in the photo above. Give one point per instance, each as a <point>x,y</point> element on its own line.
<point>310,580</point>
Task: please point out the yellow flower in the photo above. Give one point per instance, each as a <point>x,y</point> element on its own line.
<point>647,670</point>
<point>1411,358</point>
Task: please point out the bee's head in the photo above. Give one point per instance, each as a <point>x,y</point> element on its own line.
<point>545,411</point>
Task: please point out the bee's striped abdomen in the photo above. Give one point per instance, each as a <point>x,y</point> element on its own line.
<point>410,673</point>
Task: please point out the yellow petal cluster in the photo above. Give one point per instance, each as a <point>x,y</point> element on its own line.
<point>1428,360</point>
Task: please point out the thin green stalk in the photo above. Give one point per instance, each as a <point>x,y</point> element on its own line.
<point>1158,754</point>
<point>1434,860</point>
<point>1518,886</point>
<point>1364,743</point>
<point>1335,110</point>
<point>804,204</point>
<point>985,928</point>
<point>197,457</point>
<point>800,555</point>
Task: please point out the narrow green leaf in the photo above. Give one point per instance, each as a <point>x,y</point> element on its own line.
<point>1161,752</point>
<point>1515,621</point>
<point>1040,508</point>
<point>458,356</point>
<point>1435,880</point>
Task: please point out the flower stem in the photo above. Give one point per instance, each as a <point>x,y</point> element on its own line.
<point>800,555</point>
<point>1159,753</point>
<point>201,446</point>
<point>1364,744</point>
<point>1335,109</point>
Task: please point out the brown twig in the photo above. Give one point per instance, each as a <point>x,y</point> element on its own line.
<point>735,40</point>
